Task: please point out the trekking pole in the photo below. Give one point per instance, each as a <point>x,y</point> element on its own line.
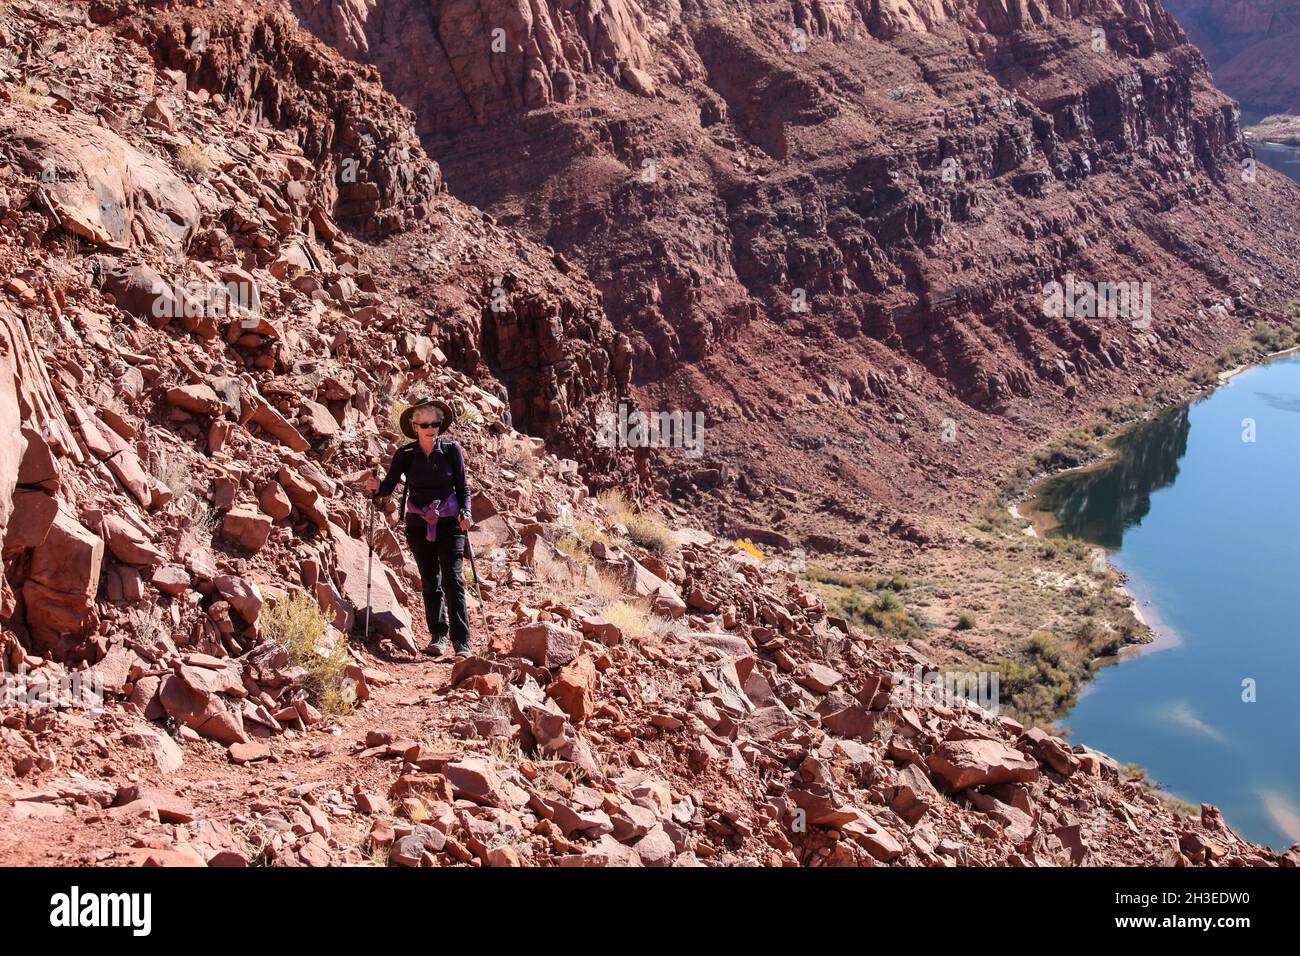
<point>478,595</point>
<point>370,555</point>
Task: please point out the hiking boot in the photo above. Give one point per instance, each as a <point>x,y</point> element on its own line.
<point>462,652</point>
<point>436,648</point>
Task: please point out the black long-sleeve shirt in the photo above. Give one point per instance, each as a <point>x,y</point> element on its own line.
<point>431,477</point>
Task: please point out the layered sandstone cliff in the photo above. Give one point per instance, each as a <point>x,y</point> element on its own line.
<point>838,220</point>
<point>178,467</point>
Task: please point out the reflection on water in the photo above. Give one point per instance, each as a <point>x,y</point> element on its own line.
<point>1285,159</point>
<point>1199,508</point>
<point>1282,401</point>
<point>1100,503</point>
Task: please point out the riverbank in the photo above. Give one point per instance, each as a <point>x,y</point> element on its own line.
<point>1237,370</point>
<point>1198,509</point>
<point>1282,129</point>
<point>997,591</point>
<point>990,589</point>
<point>1041,520</point>
<point>1088,443</point>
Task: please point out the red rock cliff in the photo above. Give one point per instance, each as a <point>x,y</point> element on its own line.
<point>871,196</point>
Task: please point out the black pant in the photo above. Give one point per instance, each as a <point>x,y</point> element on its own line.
<point>440,571</point>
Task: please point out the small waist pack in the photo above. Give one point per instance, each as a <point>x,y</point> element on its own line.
<point>431,512</point>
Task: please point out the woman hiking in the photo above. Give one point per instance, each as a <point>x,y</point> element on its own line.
<point>435,506</point>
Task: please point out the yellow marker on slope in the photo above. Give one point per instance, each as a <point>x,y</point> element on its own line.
<point>750,548</point>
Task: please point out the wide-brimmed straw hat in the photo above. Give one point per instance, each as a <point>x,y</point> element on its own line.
<point>448,415</point>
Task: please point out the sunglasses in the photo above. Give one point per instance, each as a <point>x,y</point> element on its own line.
<point>427,424</point>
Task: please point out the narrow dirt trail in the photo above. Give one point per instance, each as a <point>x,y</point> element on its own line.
<point>412,700</point>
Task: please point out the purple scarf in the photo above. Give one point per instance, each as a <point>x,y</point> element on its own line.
<point>432,512</point>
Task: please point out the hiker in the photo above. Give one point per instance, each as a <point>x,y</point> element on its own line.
<point>435,506</point>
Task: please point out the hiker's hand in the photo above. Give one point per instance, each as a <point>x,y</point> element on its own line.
<point>371,485</point>
<point>466,522</point>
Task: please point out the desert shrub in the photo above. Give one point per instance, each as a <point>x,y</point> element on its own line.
<point>26,95</point>
<point>606,589</point>
<point>298,625</point>
<point>1274,338</point>
<point>588,532</point>
<point>628,618</point>
<point>146,626</point>
<point>856,579</point>
<point>887,602</point>
<point>517,455</point>
<point>663,626</point>
<point>615,504</point>
<point>844,579</point>
<point>172,472</point>
<point>395,410</point>
<point>468,412</point>
<point>1044,645</point>
<point>965,621</point>
<point>193,161</point>
<point>878,612</point>
<point>1036,680</point>
<point>652,534</point>
<point>570,546</point>
<point>1096,638</point>
<point>642,529</point>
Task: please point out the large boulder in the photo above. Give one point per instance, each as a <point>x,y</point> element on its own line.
<point>29,520</point>
<point>102,188</point>
<point>129,544</point>
<point>120,457</point>
<point>546,644</point>
<point>192,702</point>
<point>665,599</point>
<point>242,595</point>
<point>257,411</point>
<point>246,525</point>
<point>59,593</point>
<point>387,615</point>
<point>33,434</point>
<point>304,496</point>
<point>574,687</point>
<point>960,764</point>
<point>13,446</point>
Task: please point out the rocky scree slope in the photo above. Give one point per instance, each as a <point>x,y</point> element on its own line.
<point>828,226</point>
<point>172,477</point>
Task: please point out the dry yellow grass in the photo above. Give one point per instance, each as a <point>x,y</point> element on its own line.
<point>615,504</point>
<point>605,589</point>
<point>588,532</point>
<point>642,529</point>
<point>570,546</point>
<point>628,618</point>
<point>300,626</point>
<point>26,95</point>
<point>192,160</point>
<point>517,456</point>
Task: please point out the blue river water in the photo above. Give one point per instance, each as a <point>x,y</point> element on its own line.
<point>1201,509</point>
<point>1285,159</point>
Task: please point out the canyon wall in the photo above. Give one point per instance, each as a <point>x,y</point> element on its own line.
<point>1251,48</point>
<point>224,265</point>
<point>840,218</point>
